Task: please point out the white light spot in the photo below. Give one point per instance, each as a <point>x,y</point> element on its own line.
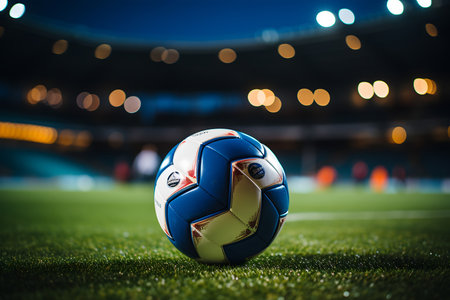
<point>325,18</point>
<point>132,104</point>
<point>3,4</point>
<point>346,16</point>
<point>395,7</point>
<point>17,11</point>
<point>424,3</point>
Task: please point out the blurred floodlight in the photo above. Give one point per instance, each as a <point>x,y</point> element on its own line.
<point>395,7</point>
<point>425,3</point>
<point>28,132</point>
<point>227,55</point>
<point>54,98</point>
<point>80,99</point>
<point>17,11</point>
<point>66,137</point>
<point>286,51</point>
<point>326,176</point>
<point>431,30</point>
<point>353,42</point>
<point>117,98</point>
<point>270,35</point>
<point>60,46</point>
<point>431,86</point>
<point>156,53</point>
<point>398,135</point>
<point>36,94</point>
<point>103,51</point>
<point>83,139</point>
<point>322,97</point>
<point>95,102</point>
<point>269,97</point>
<point>132,104</point>
<point>379,179</point>
<point>305,97</point>
<point>170,56</point>
<point>275,106</point>
<point>420,86</point>
<point>326,18</point>
<point>365,90</point>
<point>381,88</point>
<point>3,4</point>
<point>256,97</point>
<point>346,16</point>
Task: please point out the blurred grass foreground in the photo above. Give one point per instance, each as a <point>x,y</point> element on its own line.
<point>337,244</point>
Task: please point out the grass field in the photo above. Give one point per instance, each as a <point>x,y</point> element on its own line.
<point>108,244</point>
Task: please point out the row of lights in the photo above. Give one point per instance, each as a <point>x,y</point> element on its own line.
<point>44,134</point>
<point>422,86</point>
<point>16,11</point>
<point>306,97</point>
<point>396,7</point>
<point>84,100</point>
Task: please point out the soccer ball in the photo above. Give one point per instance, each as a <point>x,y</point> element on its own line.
<point>221,196</point>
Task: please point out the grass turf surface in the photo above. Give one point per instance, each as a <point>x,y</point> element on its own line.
<point>108,244</point>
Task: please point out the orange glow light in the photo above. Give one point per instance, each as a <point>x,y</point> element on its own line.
<point>37,94</point>
<point>170,56</point>
<point>431,30</point>
<point>420,86</point>
<point>305,97</point>
<point>326,176</point>
<point>60,46</point>
<point>227,55</point>
<point>269,97</point>
<point>117,98</point>
<point>322,97</point>
<point>379,179</point>
<point>103,51</point>
<point>353,42</point>
<point>275,106</point>
<point>398,135</point>
<point>365,90</point>
<point>256,97</point>
<point>28,132</point>
<point>286,51</point>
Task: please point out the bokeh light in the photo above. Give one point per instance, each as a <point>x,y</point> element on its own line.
<point>398,135</point>
<point>54,98</point>
<point>83,139</point>
<point>425,3</point>
<point>275,106</point>
<point>381,88</point>
<point>37,94</point>
<point>269,97</point>
<point>365,90</point>
<point>156,53</point>
<point>420,86</point>
<point>360,171</point>
<point>305,97</point>
<point>431,86</point>
<point>346,16</point>
<point>17,11</point>
<point>326,176</point>
<point>431,30</point>
<point>322,97</point>
<point>91,102</point>
<point>227,55</point>
<point>80,99</point>
<point>353,42</point>
<point>256,97</point>
<point>3,4</point>
<point>103,51</point>
<point>117,97</point>
<point>395,7</point>
<point>170,56</point>
<point>28,132</point>
<point>286,51</point>
<point>66,137</point>
<point>132,104</point>
<point>326,18</point>
<point>60,46</point>
<point>379,179</point>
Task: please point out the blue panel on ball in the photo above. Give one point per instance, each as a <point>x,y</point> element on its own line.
<point>239,251</point>
<point>268,220</point>
<point>279,197</point>
<point>181,233</point>
<point>215,175</point>
<point>167,161</point>
<point>253,141</point>
<point>233,149</point>
<point>195,204</point>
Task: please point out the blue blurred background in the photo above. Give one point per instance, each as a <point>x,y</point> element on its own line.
<point>347,93</point>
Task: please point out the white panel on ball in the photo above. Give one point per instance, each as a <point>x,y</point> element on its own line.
<point>266,174</point>
<point>170,181</point>
<point>273,160</point>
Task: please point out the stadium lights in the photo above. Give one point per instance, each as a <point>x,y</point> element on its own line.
<point>117,98</point>
<point>365,90</point>
<point>326,18</point>
<point>431,30</point>
<point>3,4</point>
<point>132,104</point>
<point>425,3</point>
<point>398,135</point>
<point>17,11</point>
<point>381,88</point>
<point>286,51</point>
<point>60,46</point>
<point>28,132</point>
<point>395,7</point>
<point>227,55</point>
<point>353,42</point>
<point>102,51</point>
<point>346,16</point>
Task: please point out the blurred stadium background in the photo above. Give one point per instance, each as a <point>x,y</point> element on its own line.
<point>355,94</point>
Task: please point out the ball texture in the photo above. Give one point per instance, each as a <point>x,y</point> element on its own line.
<point>221,196</point>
